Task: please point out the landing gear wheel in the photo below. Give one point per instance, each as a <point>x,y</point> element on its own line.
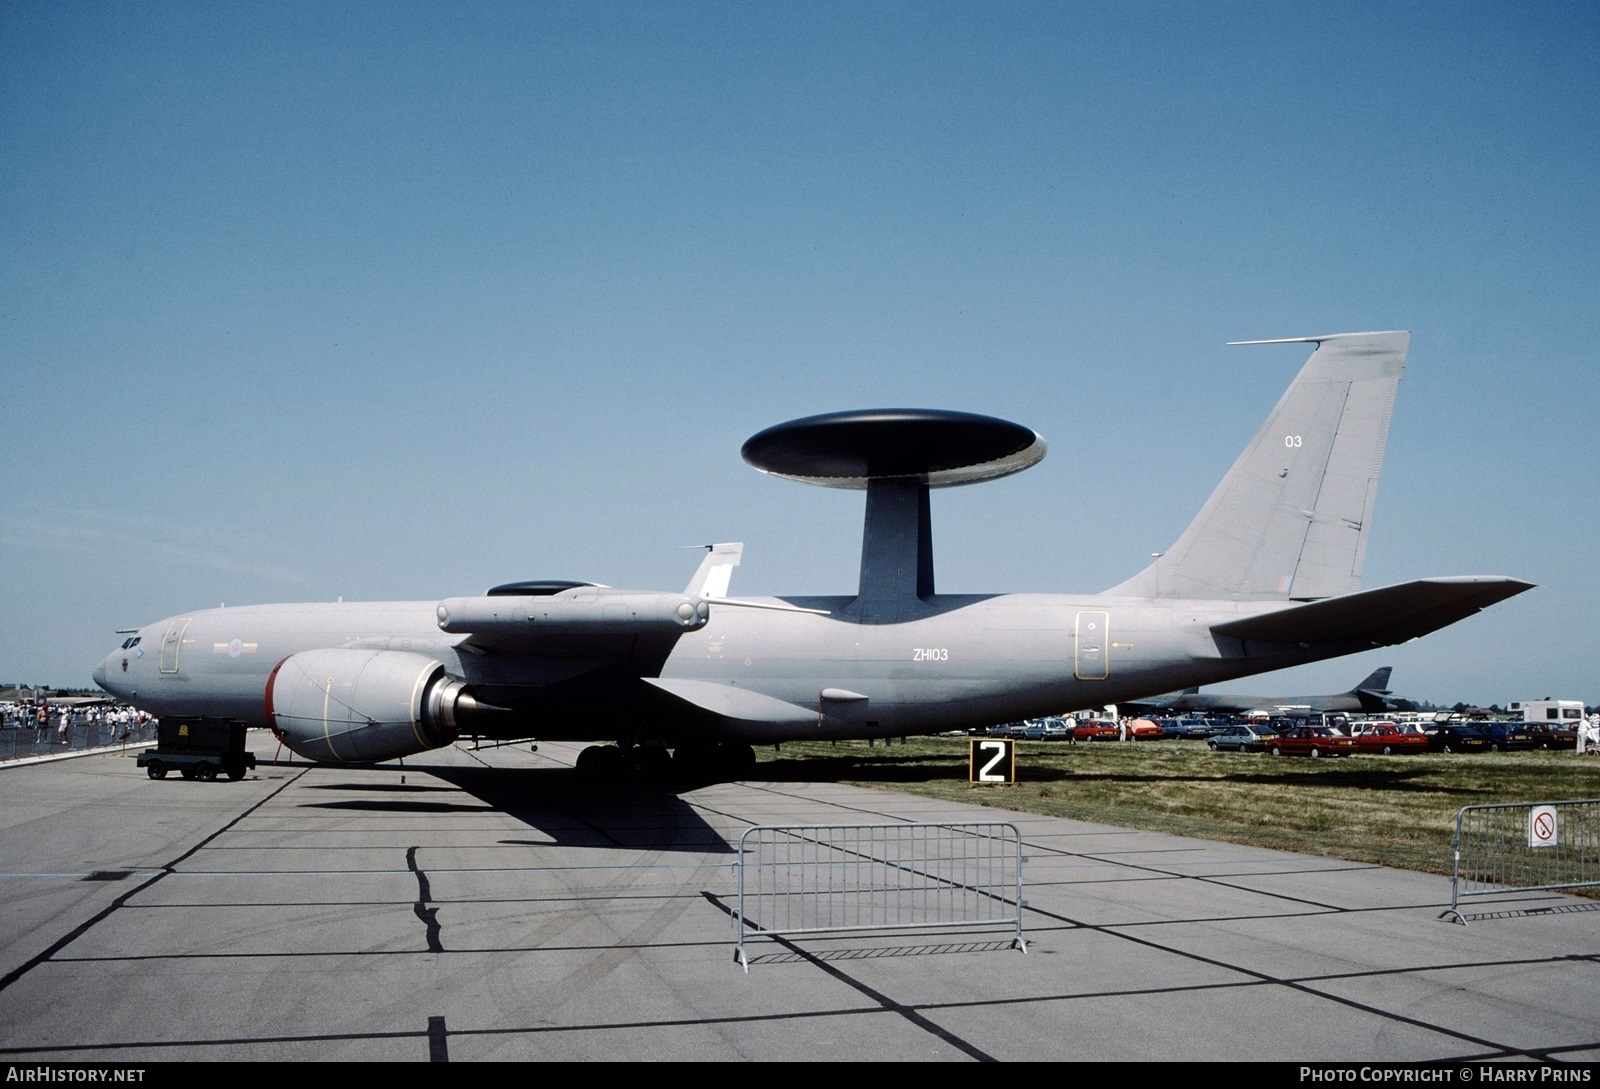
<point>156,770</point>
<point>694,761</point>
<point>599,763</point>
<point>736,758</point>
<point>646,763</point>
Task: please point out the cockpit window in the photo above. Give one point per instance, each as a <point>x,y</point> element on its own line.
<point>129,644</point>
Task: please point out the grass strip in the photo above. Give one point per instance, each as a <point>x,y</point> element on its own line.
<point>1395,811</point>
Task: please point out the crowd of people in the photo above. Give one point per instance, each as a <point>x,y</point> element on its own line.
<point>58,722</point>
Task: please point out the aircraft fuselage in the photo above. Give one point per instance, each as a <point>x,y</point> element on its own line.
<point>952,661</point>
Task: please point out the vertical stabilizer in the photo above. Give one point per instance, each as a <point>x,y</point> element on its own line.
<point>716,570</point>
<point>1291,518</point>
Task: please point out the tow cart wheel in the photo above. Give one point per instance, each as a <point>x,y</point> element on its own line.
<point>235,774</point>
<point>205,772</point>
<point>156,770</point>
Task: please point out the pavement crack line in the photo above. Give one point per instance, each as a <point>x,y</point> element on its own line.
<point>165,870</point>
<point>428,915</point>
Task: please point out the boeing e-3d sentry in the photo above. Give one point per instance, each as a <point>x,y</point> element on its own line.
<point>1370,696</point>
<point>1267,576</point>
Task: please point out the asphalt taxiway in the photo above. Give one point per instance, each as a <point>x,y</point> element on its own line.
<point>484,906</point>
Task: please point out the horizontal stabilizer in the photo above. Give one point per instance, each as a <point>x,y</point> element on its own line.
<point>732,702</point>
<point>1383,617</point>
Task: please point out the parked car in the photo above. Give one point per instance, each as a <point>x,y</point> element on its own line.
<point>1054,728</point>
<point>1142,729</point>
<point>1386,738</point>
<point>1094,729</point>
<point>1553,737</point>
<point>1443,738</point>
<point>1508,736</point>
<point>1311,741</point>
<point>1188,727</point>
<point>1242,738</point>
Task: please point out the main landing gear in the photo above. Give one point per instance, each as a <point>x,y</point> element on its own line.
<point>644,764</point>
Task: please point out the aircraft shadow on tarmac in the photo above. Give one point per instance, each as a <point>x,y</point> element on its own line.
<point>569,812</point>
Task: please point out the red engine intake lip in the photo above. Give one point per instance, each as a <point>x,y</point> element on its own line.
<point>266,701</point>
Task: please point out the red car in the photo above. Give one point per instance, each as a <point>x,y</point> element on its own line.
<point>1310,741</point>
<point>1553,737</point>
<point>1093,729</point>
<point>1386,737</point>
<point>1142,729</point>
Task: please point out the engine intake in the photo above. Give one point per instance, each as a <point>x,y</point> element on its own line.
<point>363,706</point>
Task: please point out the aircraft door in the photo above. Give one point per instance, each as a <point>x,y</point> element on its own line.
<point>1091,655</point>
<point>171,643</point>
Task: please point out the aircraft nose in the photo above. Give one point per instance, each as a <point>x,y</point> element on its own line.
<point>105,671</point>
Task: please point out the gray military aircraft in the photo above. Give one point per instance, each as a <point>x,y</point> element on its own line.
<point>1267,576</point>
<point>1369,696</point>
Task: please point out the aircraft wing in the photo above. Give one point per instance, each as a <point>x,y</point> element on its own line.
<point>728,701</point>
<point>1385,616</point>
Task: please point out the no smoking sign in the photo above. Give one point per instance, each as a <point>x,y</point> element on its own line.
<point>1542,826</point>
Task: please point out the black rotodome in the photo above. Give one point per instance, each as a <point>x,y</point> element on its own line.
<point>845,449</point>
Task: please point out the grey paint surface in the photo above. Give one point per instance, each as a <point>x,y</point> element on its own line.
<point>452,909</point>
<point>1370,695</point>
<point>1266,577</point>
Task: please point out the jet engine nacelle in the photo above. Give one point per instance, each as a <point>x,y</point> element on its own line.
<point>362,706</point>
<point>599,610</point>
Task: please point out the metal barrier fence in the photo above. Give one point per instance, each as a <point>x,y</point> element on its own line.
<point>21,742</point>
<point>809,878</point>
<point>1525,846</point>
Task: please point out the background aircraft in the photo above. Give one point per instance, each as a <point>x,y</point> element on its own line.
<point>1368,696</point>
<point>1267,576</point>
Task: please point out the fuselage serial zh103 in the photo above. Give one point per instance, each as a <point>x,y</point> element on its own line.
<point>1267,576</point>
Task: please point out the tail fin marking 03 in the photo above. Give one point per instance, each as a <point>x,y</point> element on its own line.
<point>1290,520</point>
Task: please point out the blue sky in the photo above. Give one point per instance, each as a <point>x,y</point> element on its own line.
<point>387,300</point>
